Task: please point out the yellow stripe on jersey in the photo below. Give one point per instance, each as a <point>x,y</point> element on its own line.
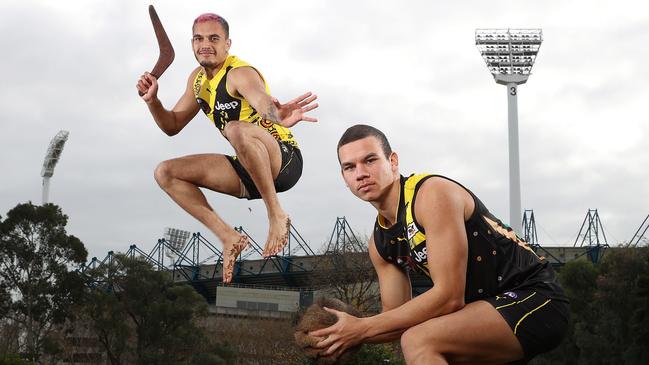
<point>415,237</point>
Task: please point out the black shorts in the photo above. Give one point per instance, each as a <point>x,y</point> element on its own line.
<point>538,318</point>
<point>289,172</point>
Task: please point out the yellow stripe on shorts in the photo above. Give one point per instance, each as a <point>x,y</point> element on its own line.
<point>520,301</point>
<point>530,312</point>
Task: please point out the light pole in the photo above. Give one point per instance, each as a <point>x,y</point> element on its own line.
<point>51,158</point>
<point>510,55</point>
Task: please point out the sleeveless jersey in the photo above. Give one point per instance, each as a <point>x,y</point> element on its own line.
<point>220,107</point>
<point>498,260</point>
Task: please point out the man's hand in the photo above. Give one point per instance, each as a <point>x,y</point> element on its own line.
<point>316,317</point>
<point>291,113</point>
<point>147,86</point>
<point>347,332</point>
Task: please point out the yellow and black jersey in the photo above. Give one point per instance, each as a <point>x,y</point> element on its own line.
<point>216,102</point>
<point>498,260</point>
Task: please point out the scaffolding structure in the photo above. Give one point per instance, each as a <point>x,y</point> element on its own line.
<point>529,229</point>
<point>282,264</point>
<point>197,261</point>
<point>639,237</point>
<point>296,245</point>
<point>343,239</point>
<point>532,239</point>
<point>592,236</point>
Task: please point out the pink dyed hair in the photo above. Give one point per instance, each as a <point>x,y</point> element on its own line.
<point>211,17</point>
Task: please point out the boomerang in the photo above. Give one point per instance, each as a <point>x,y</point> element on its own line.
<point>167,54</point>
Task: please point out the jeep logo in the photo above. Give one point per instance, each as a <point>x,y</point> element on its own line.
<point>226,106</point>
<point>420,255</point>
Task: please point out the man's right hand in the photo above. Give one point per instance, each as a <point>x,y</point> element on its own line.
<point>147,86</point>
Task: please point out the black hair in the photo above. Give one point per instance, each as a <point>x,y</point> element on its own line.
<point>360,131</point>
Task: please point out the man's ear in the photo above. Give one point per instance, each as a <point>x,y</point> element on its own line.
<point>394,162</point>
<point>228,44</point>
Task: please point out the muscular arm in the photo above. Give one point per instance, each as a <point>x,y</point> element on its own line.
<point>172,121</point>
<point>440,210</point>
<point>247,82</point>
<point>395,289</point>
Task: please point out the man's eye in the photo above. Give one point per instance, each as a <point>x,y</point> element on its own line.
<point>214,39</point>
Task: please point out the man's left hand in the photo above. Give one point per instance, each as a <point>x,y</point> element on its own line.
<point>291,113</point>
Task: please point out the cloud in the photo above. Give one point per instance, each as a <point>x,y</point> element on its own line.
<point>412,71</point>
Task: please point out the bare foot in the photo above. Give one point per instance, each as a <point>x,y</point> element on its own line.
<point>230,253</point>
<point>277,235</point>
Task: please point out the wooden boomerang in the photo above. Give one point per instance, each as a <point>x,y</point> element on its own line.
<point>167,54</point>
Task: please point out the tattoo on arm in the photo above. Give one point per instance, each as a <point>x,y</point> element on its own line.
<point>271,113</point>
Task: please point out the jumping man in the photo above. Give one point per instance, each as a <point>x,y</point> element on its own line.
<point>493,300</point>
<point>236,98</point>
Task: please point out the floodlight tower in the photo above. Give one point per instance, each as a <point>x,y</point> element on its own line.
<point>51,158</point>
<point>510,55</point>
<point>177,240</point>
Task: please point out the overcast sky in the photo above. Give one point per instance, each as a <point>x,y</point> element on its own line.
<point>410,68</point>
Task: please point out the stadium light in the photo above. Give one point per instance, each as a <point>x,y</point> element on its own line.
<point>510,55</point>
<point>51,159</point>
<point>176,239</point>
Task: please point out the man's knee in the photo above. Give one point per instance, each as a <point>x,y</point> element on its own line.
<point>237,132</point>
<point>163,173</point>
<point>419,343</point>
<point>415,343</point>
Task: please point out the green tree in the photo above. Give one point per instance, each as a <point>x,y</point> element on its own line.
<point>579,280</point>
<point>105,314</point>
<point>610,310</point>
<point>140,316</point>
<point>638,349</point>
<point>603,335</point>
<point>38,280</point>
